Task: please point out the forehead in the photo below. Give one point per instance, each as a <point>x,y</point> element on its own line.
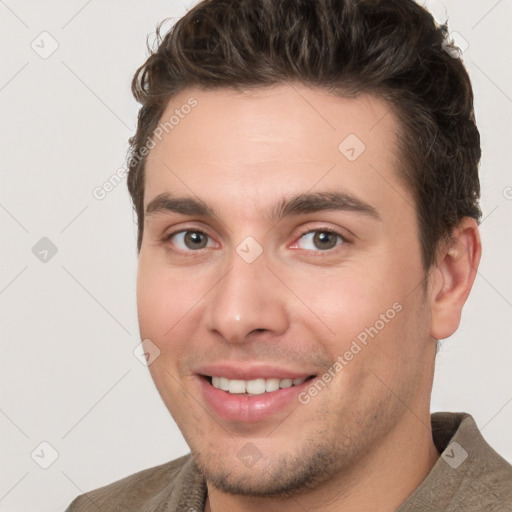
<point>247,147</point>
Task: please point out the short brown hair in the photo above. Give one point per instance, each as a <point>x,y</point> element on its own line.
<point>390,48</point>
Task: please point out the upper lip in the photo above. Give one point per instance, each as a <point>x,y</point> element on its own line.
<point>249,371</point>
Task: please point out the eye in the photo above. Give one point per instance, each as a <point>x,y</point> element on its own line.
<point>190,240</point>
<point>320,239</point>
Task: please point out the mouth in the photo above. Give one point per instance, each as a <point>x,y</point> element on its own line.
<point>254,387</point>
<point>252,400</point>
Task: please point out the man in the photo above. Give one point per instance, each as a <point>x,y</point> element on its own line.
<point>305,178</point>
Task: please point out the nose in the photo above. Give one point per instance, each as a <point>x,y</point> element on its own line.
<point>247,300</point>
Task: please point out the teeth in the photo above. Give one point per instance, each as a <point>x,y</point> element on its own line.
<point>236,386</point>
<point>255,386</point>
<point>223,383</point>
<point>271,384</point>
<point>286,383</point>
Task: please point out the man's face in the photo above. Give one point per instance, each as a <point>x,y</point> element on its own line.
<point>276,278</point>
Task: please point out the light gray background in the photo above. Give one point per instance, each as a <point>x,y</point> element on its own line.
<point>69,326</point>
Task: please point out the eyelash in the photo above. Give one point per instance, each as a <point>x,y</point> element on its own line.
<point>317,252</point>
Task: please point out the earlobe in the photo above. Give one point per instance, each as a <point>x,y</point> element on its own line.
<point>453,277</point>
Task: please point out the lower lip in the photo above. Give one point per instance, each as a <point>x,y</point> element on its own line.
<point>252,408</point>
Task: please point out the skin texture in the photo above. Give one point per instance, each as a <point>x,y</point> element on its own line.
<point>364,442</point>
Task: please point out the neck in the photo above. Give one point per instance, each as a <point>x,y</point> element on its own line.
<point>381,480</point>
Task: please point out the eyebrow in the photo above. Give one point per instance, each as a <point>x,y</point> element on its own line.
<point>296,205</point>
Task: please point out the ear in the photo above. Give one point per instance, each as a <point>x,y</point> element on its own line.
<point>452,278</point>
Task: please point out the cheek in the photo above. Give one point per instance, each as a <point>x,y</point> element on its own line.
<point>165,300</point>
<point>346,301</point>
<point>368,314</point>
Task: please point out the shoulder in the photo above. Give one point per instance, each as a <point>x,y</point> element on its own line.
<point>144,490</point>
<point>458,434</point>
<point>469,475</point>
<point>487,476</point>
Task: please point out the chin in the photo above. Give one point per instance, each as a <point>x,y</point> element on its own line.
<point>277,475</point>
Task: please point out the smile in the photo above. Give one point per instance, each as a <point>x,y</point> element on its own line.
<point>252,400</point>
<point>254,386</point>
